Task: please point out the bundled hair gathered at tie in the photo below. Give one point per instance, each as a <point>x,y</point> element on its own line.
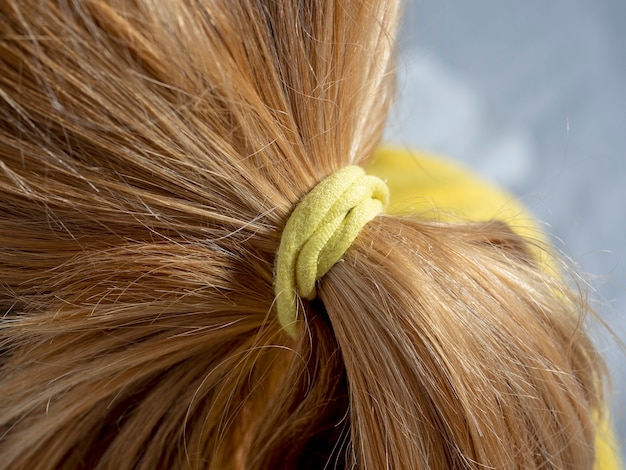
<point>175,179</point>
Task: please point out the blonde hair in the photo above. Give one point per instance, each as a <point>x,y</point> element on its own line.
<point>150,154</point>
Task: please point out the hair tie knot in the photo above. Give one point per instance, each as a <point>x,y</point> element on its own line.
<point>319,231</point>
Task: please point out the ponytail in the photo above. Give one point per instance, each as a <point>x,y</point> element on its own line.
<point>151,155</point>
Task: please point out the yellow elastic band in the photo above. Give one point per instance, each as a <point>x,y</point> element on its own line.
<point>318,233</point>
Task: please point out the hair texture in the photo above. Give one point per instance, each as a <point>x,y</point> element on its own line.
<point>150,155</point>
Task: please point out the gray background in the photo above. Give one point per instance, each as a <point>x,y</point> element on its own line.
<point>532,95</point>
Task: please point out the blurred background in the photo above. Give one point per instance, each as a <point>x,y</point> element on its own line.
<point>532,96</point>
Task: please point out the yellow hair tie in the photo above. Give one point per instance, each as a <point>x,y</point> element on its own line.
<point>318,233</point>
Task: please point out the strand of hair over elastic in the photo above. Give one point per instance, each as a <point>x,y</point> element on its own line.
<point>318,233</point>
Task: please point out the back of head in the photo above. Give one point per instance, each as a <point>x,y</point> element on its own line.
<point>150,155</point>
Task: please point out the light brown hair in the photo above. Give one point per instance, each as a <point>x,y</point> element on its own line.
<point>150,154</point>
